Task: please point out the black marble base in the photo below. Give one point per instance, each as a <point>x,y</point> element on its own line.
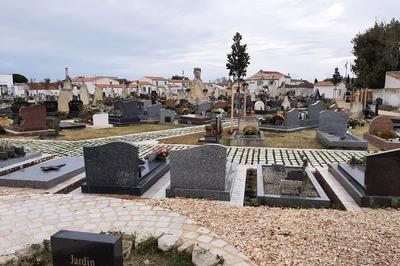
<point>149,179</point>
<point>115,120</point>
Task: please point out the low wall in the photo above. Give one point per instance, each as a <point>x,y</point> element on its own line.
<point>380,142</point>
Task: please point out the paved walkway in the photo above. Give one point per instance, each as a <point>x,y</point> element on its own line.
<point>240,155</point>
<point>33,218</point>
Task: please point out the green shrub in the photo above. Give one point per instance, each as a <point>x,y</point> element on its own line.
<point>354,160</point>
<point>250,131</point>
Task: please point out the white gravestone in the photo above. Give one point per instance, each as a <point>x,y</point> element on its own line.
<point>101,121</point>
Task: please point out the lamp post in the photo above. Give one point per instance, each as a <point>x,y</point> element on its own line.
<point>232,102</point>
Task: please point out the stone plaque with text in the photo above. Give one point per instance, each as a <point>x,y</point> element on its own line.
<point>86,249</point>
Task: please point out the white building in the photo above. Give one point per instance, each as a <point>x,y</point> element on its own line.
<point>158,84</point>
<point>328,90</point>
<point>91,82</point>
<point>6,84</point>
<point>299,87</point>
<point>268,82</point>
<point>391,93</point>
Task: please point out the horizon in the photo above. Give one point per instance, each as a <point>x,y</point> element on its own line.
<point>306,39</point>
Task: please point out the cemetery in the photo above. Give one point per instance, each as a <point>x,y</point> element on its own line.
<point>252,171</point>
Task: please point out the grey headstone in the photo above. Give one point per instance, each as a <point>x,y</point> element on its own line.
<point>167,116</point>
<point>333,122</point>
<point>314,109</point>
<point>202,167</point>
<point>203,107</point>
<point>297,174</point>
<point>154,111</point>
<point>292,118</point>
<point>248,121</point>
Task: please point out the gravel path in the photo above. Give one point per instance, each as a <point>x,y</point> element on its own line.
<point>300,236</point>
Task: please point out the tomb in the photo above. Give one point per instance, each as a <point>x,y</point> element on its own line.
<point>332,131</point>
<point>115,168</point>
<point>289,186</point>
<point>373,183</point>
<point>202,172</point>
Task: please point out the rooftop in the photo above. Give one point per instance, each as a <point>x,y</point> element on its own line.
<point>268,75</point>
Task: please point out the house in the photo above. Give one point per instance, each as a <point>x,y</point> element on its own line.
<point>115,90</point>
<point>299,87</point>
<point>6,84</point>
<point>328,90</point>
<point>42,89</point>
<point>158,84</point>
<point>91,82</point>
<point>267,81</point>
<point>140,86</point>
<point>391,93</point>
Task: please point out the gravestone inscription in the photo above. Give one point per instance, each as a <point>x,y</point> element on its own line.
<point>86,249</point>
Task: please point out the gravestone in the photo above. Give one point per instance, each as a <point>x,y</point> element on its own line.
<point>248,121</point>
<point>259,106</point>
<point>51,107</point>
<point>379,124</point>
<point>86,249</point>
<point>154,111</point>
<point>75,108</point>
<point>292,118</point>
<point>286,103</point>
<point>115,168</point>
<point>167,116</point>
<point>125,112</point>
<point>203,107</point>
<point>101,121</point>
<point>333,122</point>
<point>33,118</point>
<point>35,177</point>
<point>314,110</point>
<point>201,172</point>
<point>146,104</point>
<point>382,173</point>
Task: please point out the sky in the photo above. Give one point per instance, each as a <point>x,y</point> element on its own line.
<point>134,38</point>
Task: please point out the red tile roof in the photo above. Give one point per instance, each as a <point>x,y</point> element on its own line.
<point>327,83</point>
<point>44,85</point>
<point>265,75</point>
<point>156,78</point>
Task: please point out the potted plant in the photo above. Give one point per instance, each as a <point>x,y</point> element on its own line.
<point>278,119</point>
<point>250,131</point>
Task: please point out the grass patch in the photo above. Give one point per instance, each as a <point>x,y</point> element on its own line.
<point>87,133</point>
<point>146,253</point>
<point>193,139</point>
<point>303,139</point>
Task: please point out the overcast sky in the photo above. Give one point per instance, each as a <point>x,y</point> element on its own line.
<point>134,38</point>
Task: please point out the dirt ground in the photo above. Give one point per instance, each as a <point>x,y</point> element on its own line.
<point>285,236</point>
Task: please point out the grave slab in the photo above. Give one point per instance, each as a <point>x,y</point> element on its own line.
<point>35,177</point>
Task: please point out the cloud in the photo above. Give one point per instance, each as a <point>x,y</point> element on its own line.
<point>130,39</point>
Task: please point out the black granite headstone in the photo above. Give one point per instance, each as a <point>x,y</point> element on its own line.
<point>382,173</point>
<point>86,249</point>
<point>114,168</point>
